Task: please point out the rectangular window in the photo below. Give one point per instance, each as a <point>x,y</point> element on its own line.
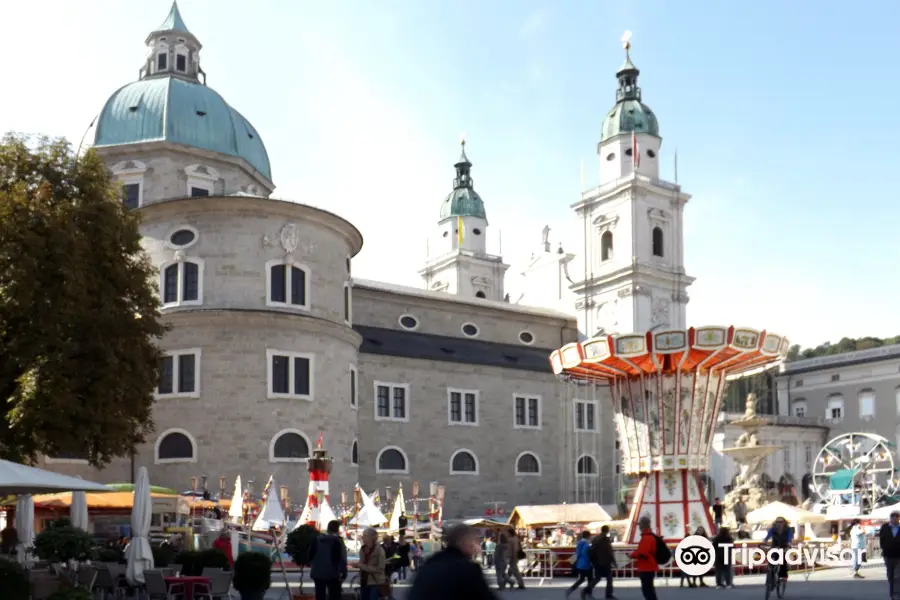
<point>181,283</point>
<point>162,61</point>
<point>347,302</point>
<point>809,457</point>
<point>867,405</point>
<point>287,285</point>
<point>798,383</point>
<point>527,412</point>
<point>462,407</point>
<point>836,377</point>
<point>131,195</point>
<point>354,395</point>
<point>199,192</point>
<point>190,281</point>
<point>291,374</point>
<point>180,62</point>
<point>585,415</point>
<point>179,374</point>
<point>391,401</point>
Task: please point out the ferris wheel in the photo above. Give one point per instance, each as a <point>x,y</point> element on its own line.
<point>855,468</point>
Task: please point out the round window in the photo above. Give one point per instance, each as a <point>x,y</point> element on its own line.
<point>182,237</point>
<point>470,330</point>
<point>526,337</point>
<point>611,156</point>
<point>409,322</point>
<point>446,233</point>
<point>651,153</point>
<point>476,231</point>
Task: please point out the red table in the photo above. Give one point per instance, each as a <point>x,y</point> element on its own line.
<point>189,583</point>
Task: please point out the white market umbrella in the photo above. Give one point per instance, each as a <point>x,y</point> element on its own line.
<point>140,555</point>
<point>21,479</point>
<point>884,512</point>
<point>326,515</point>
<point>272,513</point>
<point>793,514</point>
<point>368,515</point>
<point>78,512</point>
<point>236,510</point>
<point>24,526</point>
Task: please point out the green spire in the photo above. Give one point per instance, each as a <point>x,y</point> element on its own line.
<point>173,22</point>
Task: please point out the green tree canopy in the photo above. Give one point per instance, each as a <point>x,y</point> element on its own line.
<point>842,347</point>
<point>79,316</point>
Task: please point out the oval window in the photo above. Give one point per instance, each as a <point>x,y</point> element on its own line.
<point>182,237</point>
<point>651,153</point>
<point>470,330</point>
<point>476,231</point>
<point>409,322</point>
<point>526,337</point>
<point>611,156</point>
<point>446,233</point>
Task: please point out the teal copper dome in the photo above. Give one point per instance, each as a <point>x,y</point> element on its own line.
<point>463,201</point>
<point>629,114</point>
<point>174,110</point>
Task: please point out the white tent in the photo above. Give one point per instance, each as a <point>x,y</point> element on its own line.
<point>884,512</point>
<point>369,515</point>
<point>21,479</point>
<point>793,514</point>
<point>399,509</point>
<point>236,510</point>
<point>272,512</point>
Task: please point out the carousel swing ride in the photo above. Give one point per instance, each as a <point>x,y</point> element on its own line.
<point>666,389</point>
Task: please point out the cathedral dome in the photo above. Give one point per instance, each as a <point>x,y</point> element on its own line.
<point>629,114</point>
<point>176,110</point>
<point>463,201</point>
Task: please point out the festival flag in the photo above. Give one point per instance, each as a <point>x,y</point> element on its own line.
<point>319,441</point>
<point>459,231</point>
<point>635,152</point>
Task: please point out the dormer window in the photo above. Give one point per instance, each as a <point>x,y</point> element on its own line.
<point>162,61</point>
<point>180,63</point>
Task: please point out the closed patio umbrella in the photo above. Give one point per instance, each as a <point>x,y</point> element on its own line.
<point>24,526</point>
<point>78,512</point>
<point>140,555</point>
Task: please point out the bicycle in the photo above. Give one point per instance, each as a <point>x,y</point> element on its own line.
<point>773,581</point>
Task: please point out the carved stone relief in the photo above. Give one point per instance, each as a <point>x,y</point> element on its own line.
<point>289,240</point>
<point>660,311</point>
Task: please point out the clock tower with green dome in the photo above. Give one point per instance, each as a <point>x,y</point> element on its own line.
<point>633,222</point>
<point>458,260</point>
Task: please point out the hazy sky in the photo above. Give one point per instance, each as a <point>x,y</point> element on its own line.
<point>783,114</point>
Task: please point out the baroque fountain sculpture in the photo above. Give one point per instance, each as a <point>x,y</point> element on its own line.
<point>750,457</point>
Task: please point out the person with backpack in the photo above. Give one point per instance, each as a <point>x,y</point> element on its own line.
<point>604,560</point>
<point>649,555</point>
<point>583,566</point>
<point>328,563</point>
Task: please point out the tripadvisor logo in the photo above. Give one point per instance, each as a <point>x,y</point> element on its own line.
<point>696,556</point>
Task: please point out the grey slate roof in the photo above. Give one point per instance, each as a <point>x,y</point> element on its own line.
<point>425,346</point>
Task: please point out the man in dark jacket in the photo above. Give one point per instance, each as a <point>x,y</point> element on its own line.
<point>604,560</point>
<point>889,538</point>
<point>328,563</point>
<point>452,574</point>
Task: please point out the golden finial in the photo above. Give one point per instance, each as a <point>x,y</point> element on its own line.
<point>626,41</point>
<point>462,139</point>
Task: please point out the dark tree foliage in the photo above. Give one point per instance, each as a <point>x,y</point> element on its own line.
<point>79,317</point>
<point>842,347</point>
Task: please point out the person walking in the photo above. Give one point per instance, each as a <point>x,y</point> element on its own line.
<point>222,544</point>
<point>501,560</point>
<point>516,553</point>
<point>858,545</point>
<point>452,573</point>
<point>583,567</point>
<point>718,513</point>
<point>603,558</point>
<point>722,544</point>
<point>328,563</point>
<point>889,537</point>
<point>371,566</point>
<point>489,547</point>
<point>645,559</point>
<point>403,551</point>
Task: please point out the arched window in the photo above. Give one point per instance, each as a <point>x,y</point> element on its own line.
<point>658,241</point>
<point>354,453</point>
<point>392,459</point>
<point>798,407</point>
<point>463,462</point>
<point>175,446</point>
<point>586,465</point>
<point>835,410</point>
<point>606,245</point>
<point>289,445</point>
<point>528,464</point>
<point>480,294</point>
<point>287,285</point>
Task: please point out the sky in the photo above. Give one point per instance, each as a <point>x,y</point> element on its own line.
<point>782,114</point>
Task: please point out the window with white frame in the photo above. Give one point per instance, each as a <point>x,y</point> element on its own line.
<point>585,415</point>
<point>391,459</point>
<point>162,59</point>
<point>462,407</point>
<point>181,54</point>
<point>182,282</point>
<point>201,180</point>
<point>289,446</point>
<point>291,374</point>
<point>179,374</point>
<point>527,413</point>
<point>287,284</point>
<point>391,401</point>
<point>798,407</point>
<point>348,303</point>
<point>835,410</point>
<point>528,463</point>
<point>586,465</point>
<point>354,387</point>
<point>867,404</point>
<point>175,446</point>
<point>463,462</point>
<point>130,174</point>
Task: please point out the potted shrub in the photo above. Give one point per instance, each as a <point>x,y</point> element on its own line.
<point>252,575</point>
<point>13,581</point>
<point>62,543</point>
<point>298,544</point>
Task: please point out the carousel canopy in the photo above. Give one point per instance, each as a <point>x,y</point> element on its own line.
<point>22,479</point>
<point>554,514</point>
<point>793,514</point>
